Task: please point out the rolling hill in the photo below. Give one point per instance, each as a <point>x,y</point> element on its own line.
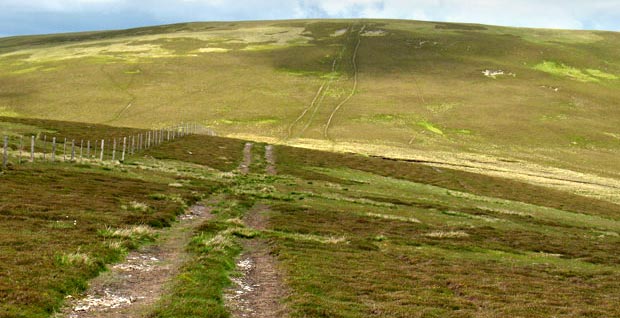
<point>362,168</point>
<point>407,89</point>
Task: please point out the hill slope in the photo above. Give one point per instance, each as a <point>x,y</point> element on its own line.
<point>348,235</point>
<point>430,91</point>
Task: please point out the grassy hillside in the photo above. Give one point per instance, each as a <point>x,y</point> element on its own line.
<point>353,236</point>
<point>428,91</point>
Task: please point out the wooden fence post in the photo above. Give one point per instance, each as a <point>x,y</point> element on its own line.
<point>81,148</point>
<point>124,145</point>
<point>114,150</point>
<point>21,148</point>
<point>95,148</point>
<point>44,146</point>
<point>53,149</point>
<point>64,150</point>
<point>32,148</point>
<point>102,149</point>
<point>72,150</point>
<point>88,149</point>
<point>133,141</point>
<point>5,157</point>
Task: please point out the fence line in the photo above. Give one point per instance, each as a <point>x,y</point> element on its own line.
<point>131,144</point>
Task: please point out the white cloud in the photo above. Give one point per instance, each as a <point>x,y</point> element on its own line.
<point>19,16</point>
<point>57,5</point>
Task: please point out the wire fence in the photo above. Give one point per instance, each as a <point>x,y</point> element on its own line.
<point>19,149</point>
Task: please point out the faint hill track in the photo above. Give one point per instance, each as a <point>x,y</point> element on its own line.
<point>125,90</point>
<point>319,97</point>
<point>355,81</point>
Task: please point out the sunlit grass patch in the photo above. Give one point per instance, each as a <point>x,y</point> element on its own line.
<point>8,112</point>
<point>601,74</point>
<point>212,50</point>
<point>430,127</point>
<point>560,69</point>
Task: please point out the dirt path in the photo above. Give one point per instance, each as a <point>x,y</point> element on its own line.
<point>260,290</point>
<point>270,158</point>
<point>131,288</point>
<point>244,167</point>
<point>355,81</point>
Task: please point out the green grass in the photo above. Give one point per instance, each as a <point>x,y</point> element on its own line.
<point>55,235</point>
<point>589,75</point>
<point>359,244</point>
<point>62,222</point>
<point>392,268</point>
<point>355,235</point>
<point>422,71</point>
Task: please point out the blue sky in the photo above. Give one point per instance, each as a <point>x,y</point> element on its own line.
<point>19,17</point>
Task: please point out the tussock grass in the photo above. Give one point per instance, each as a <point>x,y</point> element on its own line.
<point>136,206</point>
<point>393,217</point>
<point>308,237</point>
<point>74,259</point>
<point>448,234</point>
<point>139,233</point>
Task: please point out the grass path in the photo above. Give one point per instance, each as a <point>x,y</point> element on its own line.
<point>131,288</point>
<point>355,81</point>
